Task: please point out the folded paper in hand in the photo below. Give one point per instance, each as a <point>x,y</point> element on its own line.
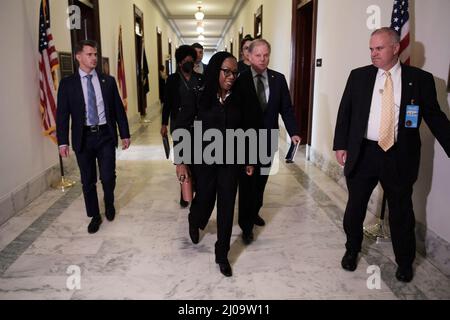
<point>291,153</point>
<point>166,146</point>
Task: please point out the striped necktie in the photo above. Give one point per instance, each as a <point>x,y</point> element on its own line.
<point>92,103</point>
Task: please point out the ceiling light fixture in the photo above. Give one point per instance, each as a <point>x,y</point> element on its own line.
<point>199,15</point>
<point>200,28</point>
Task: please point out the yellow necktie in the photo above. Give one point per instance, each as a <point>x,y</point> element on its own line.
<point>386,137</point>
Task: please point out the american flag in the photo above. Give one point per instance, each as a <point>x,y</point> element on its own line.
<point>48,65</point>
<point>121,72</point>
<point>400,23</point>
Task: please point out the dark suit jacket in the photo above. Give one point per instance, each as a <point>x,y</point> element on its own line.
<point>173,107</point>
<point>353,117</point>
<point>279,103</point>
<point>71,104</point>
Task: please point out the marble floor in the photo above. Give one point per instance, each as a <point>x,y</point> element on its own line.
<point>146,253</point>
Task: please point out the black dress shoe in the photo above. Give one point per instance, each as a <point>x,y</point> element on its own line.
<point>225,269</point>
<point>247,237</point>
<point>404,274</point>
<point>94,225</point>
<point>194,234</point>
<point>259,221</point>
<point>349,260</point>
<point>110,213</point>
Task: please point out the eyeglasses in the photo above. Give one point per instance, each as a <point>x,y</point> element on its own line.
<point>228,72</point>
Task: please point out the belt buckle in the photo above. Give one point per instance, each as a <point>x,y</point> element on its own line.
<point>94,129</point>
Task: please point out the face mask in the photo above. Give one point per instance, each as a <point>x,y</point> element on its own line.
<point>187,67</point>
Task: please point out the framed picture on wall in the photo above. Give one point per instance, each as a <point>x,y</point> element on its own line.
<point>65,64</point>
<point>105,65</point>
<point>258,23</point>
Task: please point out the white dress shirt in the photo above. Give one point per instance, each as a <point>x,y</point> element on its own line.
<point>98,96</point>
<point>373,127</point>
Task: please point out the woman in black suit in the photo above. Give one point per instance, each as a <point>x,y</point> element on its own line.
<point>218,109</point>
<point>180,100</point>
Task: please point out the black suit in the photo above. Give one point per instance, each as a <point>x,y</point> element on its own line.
<point>217,181</point>
<point>180,110</point>
<point>251,190</point>
<point>89,146</point>
<point>397,169</point>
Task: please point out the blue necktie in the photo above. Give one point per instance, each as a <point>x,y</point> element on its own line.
<point>92,102</point>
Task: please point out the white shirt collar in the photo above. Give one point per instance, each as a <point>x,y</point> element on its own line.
<point>84,74</point>
<point>394,70</point>
<point>226,97</point>
<point>254,73</point>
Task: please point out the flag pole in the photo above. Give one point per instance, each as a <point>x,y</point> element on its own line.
<point>378,231</point>
<point>64,184</point>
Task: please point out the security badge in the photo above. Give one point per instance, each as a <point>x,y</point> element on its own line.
<point>412,115</point>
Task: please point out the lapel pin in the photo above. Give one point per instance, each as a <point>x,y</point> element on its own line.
<point>410,83</point>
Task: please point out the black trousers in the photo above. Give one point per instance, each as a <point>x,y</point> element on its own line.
<point>215,182</point>
<point>375,165</point>
<point>251,196</point>
<point>97,147</point>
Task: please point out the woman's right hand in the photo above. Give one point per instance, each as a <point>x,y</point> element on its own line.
<point>249,170</point>
<point>183,170</point>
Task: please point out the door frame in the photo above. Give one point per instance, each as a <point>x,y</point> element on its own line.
<point>138,17</point>
<point>97,35</point>
<point>295,62</point>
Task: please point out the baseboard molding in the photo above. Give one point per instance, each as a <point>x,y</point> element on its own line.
<point>14,202</point>
<point>429,244</point>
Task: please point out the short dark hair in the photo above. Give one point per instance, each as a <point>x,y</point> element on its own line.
<point>197,46</point>
<point>81,44</point>
<point>245,39</point>
<point>183,51</point>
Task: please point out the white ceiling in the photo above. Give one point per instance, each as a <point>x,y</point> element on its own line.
<point>219,15</point>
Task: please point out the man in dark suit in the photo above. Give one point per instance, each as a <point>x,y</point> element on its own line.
<point>93,103</point>
<point>377,140</point>
<point>199,66</point>
<point>264,96</point>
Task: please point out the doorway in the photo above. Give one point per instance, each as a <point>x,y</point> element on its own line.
<point>304,19</point>
<point>90,28</point>
<point>169,60</point>
<point>141,77</point>
<point>159,47</point>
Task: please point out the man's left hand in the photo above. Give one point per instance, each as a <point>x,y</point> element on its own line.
<point>126,144</point>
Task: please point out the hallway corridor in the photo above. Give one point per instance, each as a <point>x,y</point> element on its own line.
<point>146,252</point>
